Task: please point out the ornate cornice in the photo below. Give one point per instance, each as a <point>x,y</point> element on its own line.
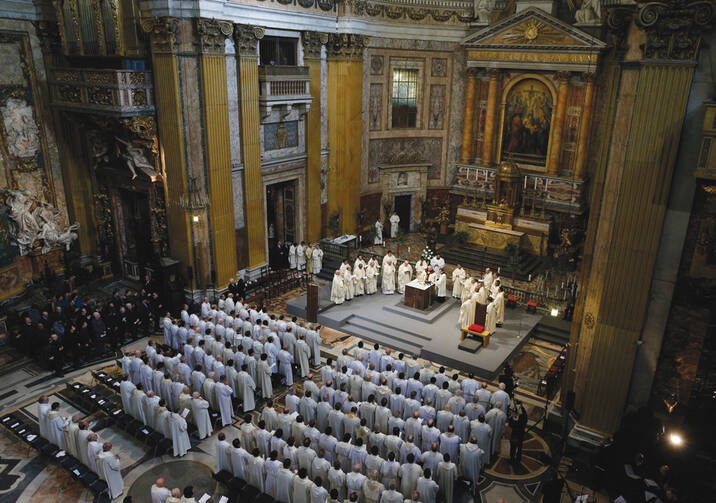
<point>163,33</point>
<point>674,28</point>
<point>313,42</point>
<point>211,35</point>
<point>245,38</point>
<point>346,45</point>
<point>424,11</point>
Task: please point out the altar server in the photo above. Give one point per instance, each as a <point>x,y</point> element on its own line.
<point>441,285</point>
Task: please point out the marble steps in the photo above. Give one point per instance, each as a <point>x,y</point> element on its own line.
<point>552,329</point>
<point>384,334</point>
<point>476,259</point>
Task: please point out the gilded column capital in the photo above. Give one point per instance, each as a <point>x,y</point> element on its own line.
<point>313,42</point>
<point>245,37</point>
<point>473,73</point>
<point>494,73</point>
<point>346,45</point>
<point>674,27</point>
<point>562,77</point>
<point>163,32</point>
<point>211,35</point>
<point>589,77</point>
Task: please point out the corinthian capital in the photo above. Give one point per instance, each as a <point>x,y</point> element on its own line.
<point>346,45</point>
<point>313,41</point>
<point>211,35</point>
<point>163,32</point>
<point>245,37</point>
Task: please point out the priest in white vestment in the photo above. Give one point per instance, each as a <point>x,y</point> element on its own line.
<point>111,471</point>
<point>43,409</point>
<point>500,305</point>
<point>487,278</point>
<point>496,418</point>
<point>317,256</point>
<point>394,225</point>
<point>94,448</point>
<point>55,425</point>
<point>441,285</point>
<point>292,256</point>
<point>180,436</point>
<point>405,271</point>
<point>427,488</point>
<point>223,455</point>
<point>301,256</point>
<point>458,275</point>
<point>467,312</point>
<point>263,373</point>
<point>83,436</point>
<point>247,387</point>
<point>349,282</point>
<point>301,490</point>
<point>200,411</point>
<point>69,435</point>
<point>360,277</point>
<point>471,461</point>
<point>388,277</point>
<point>371,277</point>
<point>238,456</point>
<point>303,353</point>
<point>223,397</point>
<point>158,492</point>
<point>378,240</point>
<point>338,289</point>
<point>483,433</point>
<point>256,471</point>
<point>445,476</point>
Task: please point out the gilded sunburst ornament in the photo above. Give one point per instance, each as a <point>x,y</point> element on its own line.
<point>532,32</point>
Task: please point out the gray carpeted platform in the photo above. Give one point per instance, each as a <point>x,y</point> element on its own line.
<point>433,335</point>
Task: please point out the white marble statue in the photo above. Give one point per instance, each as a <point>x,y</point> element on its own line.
<point>378,233</point>
<point>134,157</point>
<point>590,12</point>
<point>35,220</point>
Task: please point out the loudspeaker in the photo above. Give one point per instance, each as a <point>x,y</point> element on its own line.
<point>569,402</point>
<point>312,303</point>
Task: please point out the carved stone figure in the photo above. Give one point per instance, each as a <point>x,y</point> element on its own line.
<point>134,157</point>
<point>589,13</point>
<point>23,135</point>
<point>483,8</point>
<point>35,220</point>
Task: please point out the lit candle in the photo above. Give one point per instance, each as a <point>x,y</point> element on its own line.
<point>529,278</point>
<point>562,285</point>
<point>408,250</point>
<point>498,270</point>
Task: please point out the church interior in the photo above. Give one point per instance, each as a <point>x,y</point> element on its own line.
<point>372,251</point>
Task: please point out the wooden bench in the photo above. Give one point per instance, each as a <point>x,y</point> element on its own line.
<point>484,335</point>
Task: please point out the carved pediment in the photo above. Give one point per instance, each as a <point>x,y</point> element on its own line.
<point>533,29</point>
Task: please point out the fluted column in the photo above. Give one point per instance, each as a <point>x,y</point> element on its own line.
<point>312,47</point>
<point>345,84</point>
<point>493,90</point>
<point>555,147</point>
<point>584,127</point>
<point>247,38</point>
<point>167,82</point>
<point>468,132</point>
<point>215,111</point>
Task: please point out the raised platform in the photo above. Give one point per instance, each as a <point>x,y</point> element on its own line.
<point>432,334</point>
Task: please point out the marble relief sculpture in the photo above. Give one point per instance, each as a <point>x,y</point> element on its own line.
<point>135,158</point>
<point>23,135</point>
<point>34,220</point>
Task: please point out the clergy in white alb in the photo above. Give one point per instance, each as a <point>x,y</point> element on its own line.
<point>338,289</point>
<point>388,283</point>
<point>405,272</point>
<point>496,419</point>
<point>317,256</point>
<point>467,312</point>
<point>223,397</point>
<point>111,471</point>
<point>94,448</point>
<point>371,277</point>
<point>43,409</point>
<point>471,461</point>
<point>256,470</point>
<point>69,435</point>
<point>458,275</point>
<point>441,285</point>
<point>200,411</point>
<point>427,487</point>
<point>158,492</point>
<point>359,276</point>
<point>394,225</point>
<point>247,387</point>
<point>303,353</point>
<point>180,437</point>
<point>500,305</point>
<point>445,476</point>
<point>263,373</point>
<point>491,318</point>
<point>55,425</point>
<point>238,456</point>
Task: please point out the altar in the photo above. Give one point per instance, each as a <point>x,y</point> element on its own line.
<point>418,294</point>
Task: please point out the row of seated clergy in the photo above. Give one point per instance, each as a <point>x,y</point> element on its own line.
<point>74,437</point>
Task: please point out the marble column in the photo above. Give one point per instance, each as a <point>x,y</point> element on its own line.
<point>625,227</point>
<point>493,91</point>
<point>555,146</point>
<point>312,47</point>
<point>584,127</point>
<point>211,37</point>
<point>345,83</point>
<point>468,131</point>
<point>246,39</point>
<point>164,38</point>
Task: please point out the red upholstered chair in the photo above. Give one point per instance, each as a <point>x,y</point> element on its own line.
<point>531,307</point>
